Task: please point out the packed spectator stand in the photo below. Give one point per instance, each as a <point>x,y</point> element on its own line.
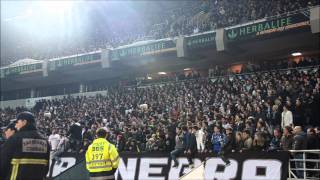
<point>173,19</point>
<point>260,108</point>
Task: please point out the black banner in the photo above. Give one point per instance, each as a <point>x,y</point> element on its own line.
<point>158,166</point>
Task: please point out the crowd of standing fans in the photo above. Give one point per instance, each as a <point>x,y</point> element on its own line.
<point>258,111</point>
<point>172,19</point>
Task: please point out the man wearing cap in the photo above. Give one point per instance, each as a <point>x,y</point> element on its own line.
<point>102,158</point>
<point>25,155</point>
<point>9,130</point>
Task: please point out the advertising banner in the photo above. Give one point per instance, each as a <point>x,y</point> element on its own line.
<point>75,61</point>
<point>153,48</point>
<point>158,166</point>
<point>18,70</point>
<point>268,26</point>
<point>200,40</point>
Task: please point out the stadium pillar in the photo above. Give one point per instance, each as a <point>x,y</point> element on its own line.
<point>32,93</point>
<point>105,58</point>
<point>221,40</point>
<point>181,47</point>
<point>315,19</point>
<point>45,68</point>
<point>81,88</point>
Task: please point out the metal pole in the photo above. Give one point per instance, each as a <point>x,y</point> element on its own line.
<point>289,170</point>
<point>304,165</point>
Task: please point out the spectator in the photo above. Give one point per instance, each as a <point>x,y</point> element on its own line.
<point>54,140</point>
<point>191,147</point>
<point>169,146</point>
<point>120,143</point>
<point>287,139</point>
<point>276,140</point>
<point>286,116</point>
<point>259,142</point>
<point>298,114</point>
<point>62,147</point>
<point>239,142</point>
<point>218,140</point>
<point>247,140</point>
<point>230,145</point>
<point>275,117</point>
<point>313,143</point>
<point>179,148</point>
<point>300,143</point>
<point>200,136</point>
<point>75,133</point>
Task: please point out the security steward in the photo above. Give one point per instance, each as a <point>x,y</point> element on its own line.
<point>102,158</point>
<point>25,155</point>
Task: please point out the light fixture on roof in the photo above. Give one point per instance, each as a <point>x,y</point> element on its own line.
<point>187,69</point>
<point>162,73</point>
<point>296,54</point>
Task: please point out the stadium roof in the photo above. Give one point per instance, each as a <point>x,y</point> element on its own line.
<point>24,62</point>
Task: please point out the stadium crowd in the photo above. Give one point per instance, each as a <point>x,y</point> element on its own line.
<point>256,111</point>
<point>188,17</point>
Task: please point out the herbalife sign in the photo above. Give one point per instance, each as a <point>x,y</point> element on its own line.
<point>267,27</point>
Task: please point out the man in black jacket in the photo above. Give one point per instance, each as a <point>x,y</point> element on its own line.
<point>191,147</point>
<point>25,155</point>
<point>299,143</point>
<point>75,136</point>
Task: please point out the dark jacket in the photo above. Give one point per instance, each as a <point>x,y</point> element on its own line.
<point>192,143</point>
<point>300,141</point>
<point>185,139</point>
<point>275,118</point>
<point>169,144</point>
<point>287,142</point>
<point>27,153</point>
<point>298,116</point>
<point>230,143</point>
<point>75,132</point>
<point>275,144</point>
<point>313,142</point>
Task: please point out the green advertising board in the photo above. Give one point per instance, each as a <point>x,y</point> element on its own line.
<point>267,27</point>
<point>200,40</point>
<point>143,50</point>
<point>76,60</point>
<point>18,70</point>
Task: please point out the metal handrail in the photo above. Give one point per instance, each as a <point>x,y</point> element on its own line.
<point>304,160</point>
<point>309,150</point>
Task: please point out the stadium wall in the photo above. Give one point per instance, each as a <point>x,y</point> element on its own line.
<point>30,102</point>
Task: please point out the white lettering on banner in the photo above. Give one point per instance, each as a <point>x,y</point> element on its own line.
<point>145,168</point>
<point>66,163</point>
<point>129,171</point>
<point>212,171</point>
<point>272,169</point>
<point>175,172</point>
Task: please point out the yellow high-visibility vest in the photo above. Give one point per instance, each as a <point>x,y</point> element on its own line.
<point>101,156</point>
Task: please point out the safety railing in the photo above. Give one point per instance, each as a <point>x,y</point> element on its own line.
<point>305,164</point>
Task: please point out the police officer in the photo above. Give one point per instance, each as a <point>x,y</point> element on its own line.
<point>102,158</point>
<point>25,155</point>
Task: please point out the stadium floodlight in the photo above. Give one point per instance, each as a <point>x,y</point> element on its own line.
<point>149,77</point>
<point>56,7</point>
<point>48,21</point>
<point>187,69</point>
<point>296,54</point>
<point>162,73</point>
